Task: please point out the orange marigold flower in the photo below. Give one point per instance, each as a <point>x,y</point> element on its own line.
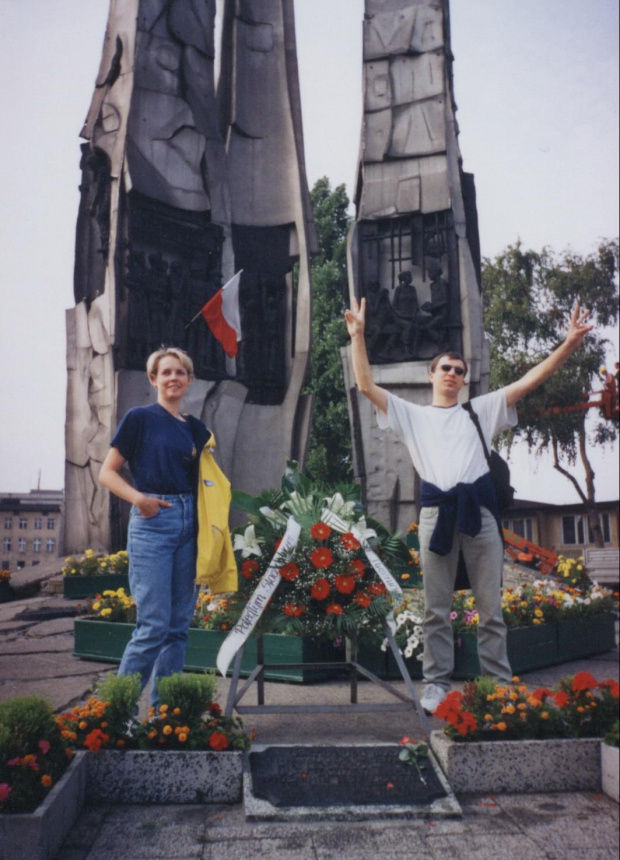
<point>289,571</point>
<point>320,531</point>
<point>47,781</point>
<point>349,541</point>
<point>218,741</point>
<point>583,681</point>
<point>167,730</point>
<point>334,609</point>
<point>501,727</point>
<point>95,740</point>
<point>322,557</point>
<point>249,568</point>
<point>345,584</point>
<point>320,589</point>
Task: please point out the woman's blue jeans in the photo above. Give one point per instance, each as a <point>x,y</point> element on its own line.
<point>162,578</point>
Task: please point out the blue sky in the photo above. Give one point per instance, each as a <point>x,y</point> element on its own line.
<point>537,90</point>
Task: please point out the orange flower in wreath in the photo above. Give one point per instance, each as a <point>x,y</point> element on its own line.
<point>345,584</point>
<point>320,589</point>
<point>294,610</point>
<point>334,609</point>
<point>320,531</point>
<point>249,568</point>
<point>289,571</point>
<point>349,541</point>
<point>322,557</point>
<point>357,567</point>
<point>377,588</point>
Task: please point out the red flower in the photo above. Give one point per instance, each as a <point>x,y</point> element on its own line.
<point>349,541</point>
<point>249,568</point>
<point>320,531</point>
<point>561,699</point>
<point>95,740</point>
<point>320,589</point>
<point>294,609</point>
<point>44,746</point>
<point>277,544</point>
<point>357,567</point>
<point>218,741</point>
<point>612,686</point>
<point>5,791</point>
<point>322,557</point>
<point>541,693</point>
<point>377,588</point>
<point>345,584</point>
<point>214,708</point>
<point>289,571</point>
<point>362,599</point>
<point>334,609</point>
<point>583,681</point>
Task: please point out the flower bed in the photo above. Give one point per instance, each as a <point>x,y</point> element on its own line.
<point>38,835</point>
<point>511,738</point>
<point>93,573</point>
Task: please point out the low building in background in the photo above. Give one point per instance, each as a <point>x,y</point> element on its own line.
<point>561,528</point>
<point>31,527</point>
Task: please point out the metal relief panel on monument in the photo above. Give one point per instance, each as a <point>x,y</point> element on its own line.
<point>388,461</point>
<point>418,129</point>
<point>415,78</point>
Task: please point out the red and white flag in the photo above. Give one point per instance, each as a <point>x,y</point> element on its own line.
<point>221,313</point>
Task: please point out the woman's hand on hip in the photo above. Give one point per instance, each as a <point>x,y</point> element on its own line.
<point>149,506</point>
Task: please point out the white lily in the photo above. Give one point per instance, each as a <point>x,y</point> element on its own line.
<point>337,505</point>
<point>275,517</point>
<point>299,505</point>
<point>248,543</point>
<point>363,529</point>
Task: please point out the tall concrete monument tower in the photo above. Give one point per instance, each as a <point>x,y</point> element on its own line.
<point>182,187</point>
<point>413,248</point>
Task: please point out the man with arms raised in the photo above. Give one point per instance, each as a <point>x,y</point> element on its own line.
<point>458,510</point>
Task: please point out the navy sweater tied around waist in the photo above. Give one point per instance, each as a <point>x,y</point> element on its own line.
<point>458,508</point>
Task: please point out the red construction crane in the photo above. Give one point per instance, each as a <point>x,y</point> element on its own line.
<point>607,402</point>
<point>527,552</point>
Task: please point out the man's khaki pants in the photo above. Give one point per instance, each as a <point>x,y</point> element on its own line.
<point>484,557</point>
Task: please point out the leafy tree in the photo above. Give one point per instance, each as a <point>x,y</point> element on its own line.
<point>528,299</point>
<point>329,456</point>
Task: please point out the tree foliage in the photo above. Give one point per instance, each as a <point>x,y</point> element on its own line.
<point>329,456</point>
<point>528,299</point>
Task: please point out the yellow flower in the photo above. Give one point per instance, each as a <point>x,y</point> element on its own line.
<point>105,612</point>
<point>96,606</point>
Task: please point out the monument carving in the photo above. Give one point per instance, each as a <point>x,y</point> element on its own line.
<point>413,248</point>
<point>182,186</point>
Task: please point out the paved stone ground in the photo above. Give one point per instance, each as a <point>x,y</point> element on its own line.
<point>36,657</point>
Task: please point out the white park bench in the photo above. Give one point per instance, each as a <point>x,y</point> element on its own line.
<point>603,564</point>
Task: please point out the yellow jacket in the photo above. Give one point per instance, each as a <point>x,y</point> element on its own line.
<point>215,562</point>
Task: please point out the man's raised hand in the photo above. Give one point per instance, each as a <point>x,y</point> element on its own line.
<point>578,327</point>
<point>356,318</point>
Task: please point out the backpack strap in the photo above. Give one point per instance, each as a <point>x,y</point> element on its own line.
<point>472,414</point>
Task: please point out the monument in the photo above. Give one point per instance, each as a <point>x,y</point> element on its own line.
<point>182,186</point>
<point>413,248</point>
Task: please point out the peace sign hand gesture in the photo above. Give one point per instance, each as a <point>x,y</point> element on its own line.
<point>578,327</point>
<point>356,318</point>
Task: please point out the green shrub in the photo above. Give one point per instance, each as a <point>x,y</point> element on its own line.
<point>192,694</point>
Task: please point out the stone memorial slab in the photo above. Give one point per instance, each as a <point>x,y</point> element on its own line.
<point>342,783</point>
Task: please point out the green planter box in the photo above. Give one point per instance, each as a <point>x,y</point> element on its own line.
<point>532,648</point>
<point>106,641</point>
<point>466,663</point>
<point>78,587</point>
<point>583,637</point>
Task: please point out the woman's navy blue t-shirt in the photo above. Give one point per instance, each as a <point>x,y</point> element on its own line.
<point>162,452</point>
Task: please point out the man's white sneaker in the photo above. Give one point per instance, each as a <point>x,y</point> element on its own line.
<point>432,697</point>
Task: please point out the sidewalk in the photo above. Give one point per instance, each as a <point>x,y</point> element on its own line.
<point>36,657</point>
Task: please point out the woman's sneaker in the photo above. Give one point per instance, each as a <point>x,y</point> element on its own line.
<point>432,697</point>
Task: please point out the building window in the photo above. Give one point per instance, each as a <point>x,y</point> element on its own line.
<point>6,545</point>
<point>573,532</point>
<point>5,565</point>
<point>8,523</point>
<point>21,565</point>
<point>522,527</point>
<point>50,545</point>
<point>36,545</point>
<point>22,544</point>
<point>38,523</point>
<point>605,529</point>
<point>51,524</point>
<point>23,523</point>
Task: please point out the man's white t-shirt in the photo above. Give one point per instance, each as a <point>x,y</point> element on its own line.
<point>443,441</point>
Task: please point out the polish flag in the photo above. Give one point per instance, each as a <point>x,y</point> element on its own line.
<point>221,313</point>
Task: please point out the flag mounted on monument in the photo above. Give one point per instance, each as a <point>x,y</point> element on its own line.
<point>221,313</point>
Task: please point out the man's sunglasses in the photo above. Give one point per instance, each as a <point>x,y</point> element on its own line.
<point>460,371</point>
